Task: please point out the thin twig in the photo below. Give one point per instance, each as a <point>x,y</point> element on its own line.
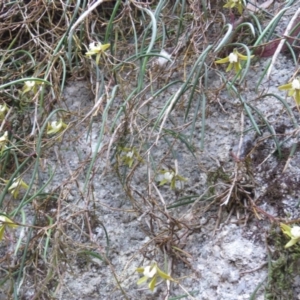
<point>279,48</point>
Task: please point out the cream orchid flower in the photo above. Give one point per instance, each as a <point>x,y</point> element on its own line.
<point>152,272</point>
<point>3,111</point>
<point>129,156</point>
<point>31,86</point>
<point>56,127</point>
<point>15,187</point>
<point>3,141</point>
<point>293,89</point>
<point>235,3</point>
<point>292,232</point>
<point>234,59</point>
<point>170,177</point>
<point>5,222</point>
<point>97,49</point>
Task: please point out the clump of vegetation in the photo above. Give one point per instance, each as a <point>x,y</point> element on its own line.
<point>282,267</point>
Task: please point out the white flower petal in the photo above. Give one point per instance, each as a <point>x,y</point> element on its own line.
<point>130,154</point>
<point>15,184</point>
<point>30,84</point>
<point>92,46</point>
<point>296,84</point>
<point>4,137</point>
<point>295,232</point>
<point>3,108</point>
<point>55,125</point>
<point>233,58</point>
<point>150,271</point>
<point>168,176</point>
<point>163,60</point>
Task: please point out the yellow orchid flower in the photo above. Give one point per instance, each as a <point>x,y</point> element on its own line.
<point>31,86</point>
<point>234,59</point>
<point>293,89</point>
<point>169,176</point>
<point>128,158</point>
<point>97,49</point>
<point>3,111</point>
<point>56,127</point>
<point>15,187</point>
<point>152,272</point>
<point>4,222</point>
<point>129,155</point>
<point>235,3</point>
<point>292,232</point>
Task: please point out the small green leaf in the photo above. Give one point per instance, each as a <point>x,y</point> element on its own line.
<point>152,283</point>
<point>181,178</point>
<point>140,270</point>
<point>287,86</point>
<point>5,221</point>
<point>1,232</point>
<point>297,97</point>
<point>291,243</point>
<point>164,181</point>
<point>173,184</point>
<point>286,229</point>
<point>164,275</point>
<point>222,60</point>
<point>142,280</point>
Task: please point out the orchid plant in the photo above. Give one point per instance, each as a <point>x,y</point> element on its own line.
<point>235,3</point>
<point>5,222</point>
<point>129,156</point>
<point>56,127</point>
<point>16,186</point>
<point>3,111</point>
<point>96,48</point>
<point>170,177</point>
<point>292,232</point>
<point>3,142</point>
<point>293,89</point>
<point>31,86</point>
<point>234,59</point>
<point>152,273</point>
